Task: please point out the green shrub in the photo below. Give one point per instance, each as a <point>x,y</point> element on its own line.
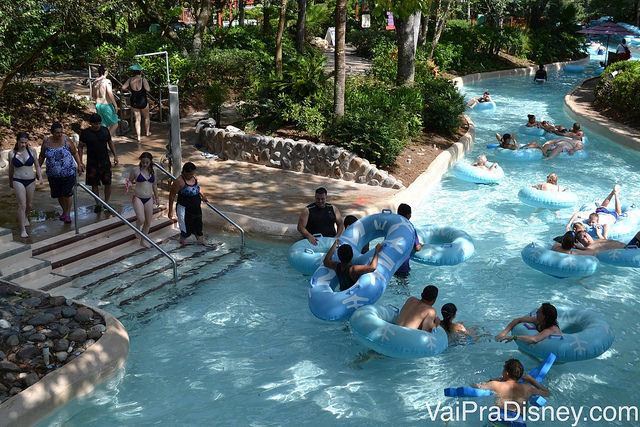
<point>379,120</point>
<point>622,93</point>
<point>366,40</point>
<point>384,64</point>
<point>305,116</point>
<point>216,95</point>
<point>442,105</point>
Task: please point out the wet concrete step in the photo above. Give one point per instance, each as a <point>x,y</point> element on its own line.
<point>12,252</point>
<point>62,242</point>
<point>5,235</point>
<point>27,268</point>
<point>104,246</point>
<point>42,281</point>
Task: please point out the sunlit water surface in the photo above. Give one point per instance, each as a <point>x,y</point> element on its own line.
<point>245,350</point>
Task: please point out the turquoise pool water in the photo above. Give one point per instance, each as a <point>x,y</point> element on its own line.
<point>245,350</point>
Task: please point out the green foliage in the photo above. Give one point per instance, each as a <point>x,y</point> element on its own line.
<point>369,41</point>
<point>442,105</point>
<point>384,63</point>
<point>622,93</point>
<point>379,120</point>
<point>305,115</point>
<point>319,18</point>
<point>216,95</point>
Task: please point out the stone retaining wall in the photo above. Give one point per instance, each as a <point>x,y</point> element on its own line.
<point>300,156</point>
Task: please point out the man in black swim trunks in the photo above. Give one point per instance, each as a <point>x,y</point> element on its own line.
<point>320,217</point>
<point>97,139</point>
<point>541,73</point>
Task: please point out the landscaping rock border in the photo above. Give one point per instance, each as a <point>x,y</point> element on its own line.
<point>232,143</point>
<point>52,350</point>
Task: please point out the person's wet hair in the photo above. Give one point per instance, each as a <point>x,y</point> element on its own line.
<point>550,315</point>
<point>19,136</point>
<point>448,311</point>
<point>568,240</point>
<point>552,179</point>
<point>349,219</point>
<point>514,368</point>
<point>345,253</point>
<point>404,210</point>
<point>506,137</point>
<point>321,190</point>
<point>578,226</point>
<point>576,126</point>
<point>594,217</point>
<point>95,118</point>
<point>101,70</point>
<point>429,293</point>
<point>188,167</point>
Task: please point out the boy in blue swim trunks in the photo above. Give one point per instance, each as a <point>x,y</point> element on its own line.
<point>602,217</point>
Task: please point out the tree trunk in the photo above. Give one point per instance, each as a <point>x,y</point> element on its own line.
<point>340,67</point>
<point>29,60</point>
<point>283,12</point>
<point>202,21</point>
<point>537,10</point>
<point>302,19</point>
<point>424,30</point>
<point>266,18</point>
<point>241,13</point>
<point>405,32</point>
<point>439,27</point>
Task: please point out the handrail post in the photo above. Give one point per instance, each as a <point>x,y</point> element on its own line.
<point>75,208</point>
<point>229,220</point>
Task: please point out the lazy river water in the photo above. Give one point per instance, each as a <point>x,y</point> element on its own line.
<point>245,349</point>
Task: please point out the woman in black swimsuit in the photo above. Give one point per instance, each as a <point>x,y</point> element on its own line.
<point>22,178</point>
<point>139,86</point>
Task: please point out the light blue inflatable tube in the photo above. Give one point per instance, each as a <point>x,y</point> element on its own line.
<point>485,107</point>
<point>626,257</point>
<point>574,68</point>
<point>443,245</point>
<point>559,264</point>
<point>553,200</point>
<point>522,155</point>
<point>398,236</point>
<point>478,175</point>
<point>374,327</point>
<point>305,257</point>
<point>532,130</point>
<point>586,335</point>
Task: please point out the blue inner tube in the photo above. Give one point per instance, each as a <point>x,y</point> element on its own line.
<point>399,236</point>
<point>305,257</point>
<point>574,68</point>
<point>533,130</point>
<point>485,106</point>
<point>626,257</point>
<point>547,199</point>
<point>523,155</point>
<point>559,264</point>
<point>374,327</point>
<point>548,136</point>
<point>478,175</point>
<point>585,335</point>
<point>443,245</point>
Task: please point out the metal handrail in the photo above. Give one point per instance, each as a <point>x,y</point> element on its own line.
<point>123,219</point>
<point>159,166</point>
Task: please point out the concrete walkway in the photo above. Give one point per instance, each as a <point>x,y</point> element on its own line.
<point>579,106</point>
<point>355,65</point>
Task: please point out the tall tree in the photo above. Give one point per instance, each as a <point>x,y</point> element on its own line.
<point>281,22</point>
<point>443,14</point>
<point>340,67</point>
<point>300,26</point>
<point>406,33</point>
<point>28,27</point>
<point>424,29</point>
<point>202,23</point>
<point>241,13</point>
